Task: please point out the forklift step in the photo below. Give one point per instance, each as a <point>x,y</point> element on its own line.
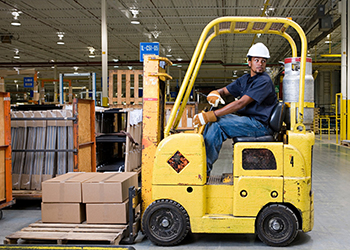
<point>224,179</point>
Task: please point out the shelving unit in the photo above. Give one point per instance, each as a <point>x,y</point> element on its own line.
<point>117,139</point>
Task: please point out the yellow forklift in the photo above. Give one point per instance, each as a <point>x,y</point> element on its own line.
<point>269,191</point>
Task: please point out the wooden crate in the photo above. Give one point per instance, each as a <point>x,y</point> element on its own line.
<point>121,84</point>
<point>186,119</point>
<point>84,135</point>
<point>83,144</point>
<point>315,127</point>
<point>5,152</point>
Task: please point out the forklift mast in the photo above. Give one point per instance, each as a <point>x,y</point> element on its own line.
<point>154,97</point>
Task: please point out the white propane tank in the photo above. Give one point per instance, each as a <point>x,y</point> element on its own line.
<point>291,88</point>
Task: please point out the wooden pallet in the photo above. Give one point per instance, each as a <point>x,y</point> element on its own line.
<point>345,143</point>
<point>63,233</point>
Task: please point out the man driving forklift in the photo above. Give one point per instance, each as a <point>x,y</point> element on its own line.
<point>257,99</point>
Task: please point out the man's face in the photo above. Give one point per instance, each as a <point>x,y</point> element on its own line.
<point>257,65</point>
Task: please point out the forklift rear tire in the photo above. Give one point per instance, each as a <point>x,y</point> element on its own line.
<point>277,225</point>
<point>165,222</point>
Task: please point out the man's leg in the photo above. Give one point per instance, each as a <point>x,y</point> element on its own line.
<point>228,126</point>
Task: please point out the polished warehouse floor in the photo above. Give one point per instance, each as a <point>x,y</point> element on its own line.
<point>331,185</point>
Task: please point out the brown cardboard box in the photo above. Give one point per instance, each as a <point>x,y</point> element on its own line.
<point>63,212</point>
<point>107,213</point>
<point>65,188</point>
<point>109,187</point>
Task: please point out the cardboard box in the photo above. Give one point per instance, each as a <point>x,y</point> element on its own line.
<point>63,212</point>
<point>65,188</point>
<point>107,213</point>
<point>109,187</point>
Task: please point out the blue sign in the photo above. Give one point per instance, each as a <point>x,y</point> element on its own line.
<point>148,49</point>
<point>28,82</point>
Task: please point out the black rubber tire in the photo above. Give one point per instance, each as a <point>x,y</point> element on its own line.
<point>165,223</point>
<point>1,214</point>
<point>277,225</point>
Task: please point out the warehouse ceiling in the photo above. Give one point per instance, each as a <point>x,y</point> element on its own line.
<point>175,24</point>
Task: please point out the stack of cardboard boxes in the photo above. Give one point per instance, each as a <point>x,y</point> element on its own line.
<point>98,198</point>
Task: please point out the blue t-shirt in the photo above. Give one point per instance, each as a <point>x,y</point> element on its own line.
<point>261,89</point>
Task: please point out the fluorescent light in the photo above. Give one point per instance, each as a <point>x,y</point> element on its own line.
<point>92,55</point>
<point>15,15</point>
<point>60,38</point>
<point>16,23</point>
<point>135,21</point>
<point>16,57</point>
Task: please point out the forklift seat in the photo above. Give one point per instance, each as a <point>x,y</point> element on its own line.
<point>276,121</point>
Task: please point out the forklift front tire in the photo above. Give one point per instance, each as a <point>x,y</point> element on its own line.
<point>165,222</point>
<point>277,225</point>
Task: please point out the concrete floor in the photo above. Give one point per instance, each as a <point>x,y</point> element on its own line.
<point>331,179</point>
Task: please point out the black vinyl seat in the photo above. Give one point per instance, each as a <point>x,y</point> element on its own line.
<point>275,122</point>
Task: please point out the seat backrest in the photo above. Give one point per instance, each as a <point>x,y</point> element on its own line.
<point>277,116</point>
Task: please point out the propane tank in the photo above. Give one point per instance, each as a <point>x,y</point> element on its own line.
<point>291,88</point>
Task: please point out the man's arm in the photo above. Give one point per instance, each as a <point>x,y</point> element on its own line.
<point>233,106</point>
<point>223,92</point>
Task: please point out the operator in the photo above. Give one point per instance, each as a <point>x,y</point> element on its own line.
<point>257,99</point>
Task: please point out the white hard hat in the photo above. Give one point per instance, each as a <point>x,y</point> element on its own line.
<point>259,50</point>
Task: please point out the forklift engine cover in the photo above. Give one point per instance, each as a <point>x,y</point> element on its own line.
<point>180,160</point>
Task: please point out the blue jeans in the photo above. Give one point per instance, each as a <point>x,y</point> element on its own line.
<point>229,126</point>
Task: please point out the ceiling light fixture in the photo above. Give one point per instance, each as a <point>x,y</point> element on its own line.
<point>60,38</point>
<point>155,33</point>
<point>134,13</point>
<point>168,48</point>
<point>16,56</point>
<point>75,69</point>
<point>15,15</point>
<point>91,52</point>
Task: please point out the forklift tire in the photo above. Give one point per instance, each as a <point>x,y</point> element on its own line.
<point>165,223</point>
<point>1,214</point>
<point>277,225</point>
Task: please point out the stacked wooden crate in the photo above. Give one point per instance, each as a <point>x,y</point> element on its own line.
<point>47,143</point>
<point>5,153</point>
<point>315,127</point>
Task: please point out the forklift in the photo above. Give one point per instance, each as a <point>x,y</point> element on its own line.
<point>269,191</point>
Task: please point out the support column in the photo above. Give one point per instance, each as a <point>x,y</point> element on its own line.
<point>348,82</point>
<point>61,89</point>
<point>344,36</point>
<point>94,87</point>
<point>36,88</point>
<point>55,84</point>
<point>2,84</point>
<point>104,42</point>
